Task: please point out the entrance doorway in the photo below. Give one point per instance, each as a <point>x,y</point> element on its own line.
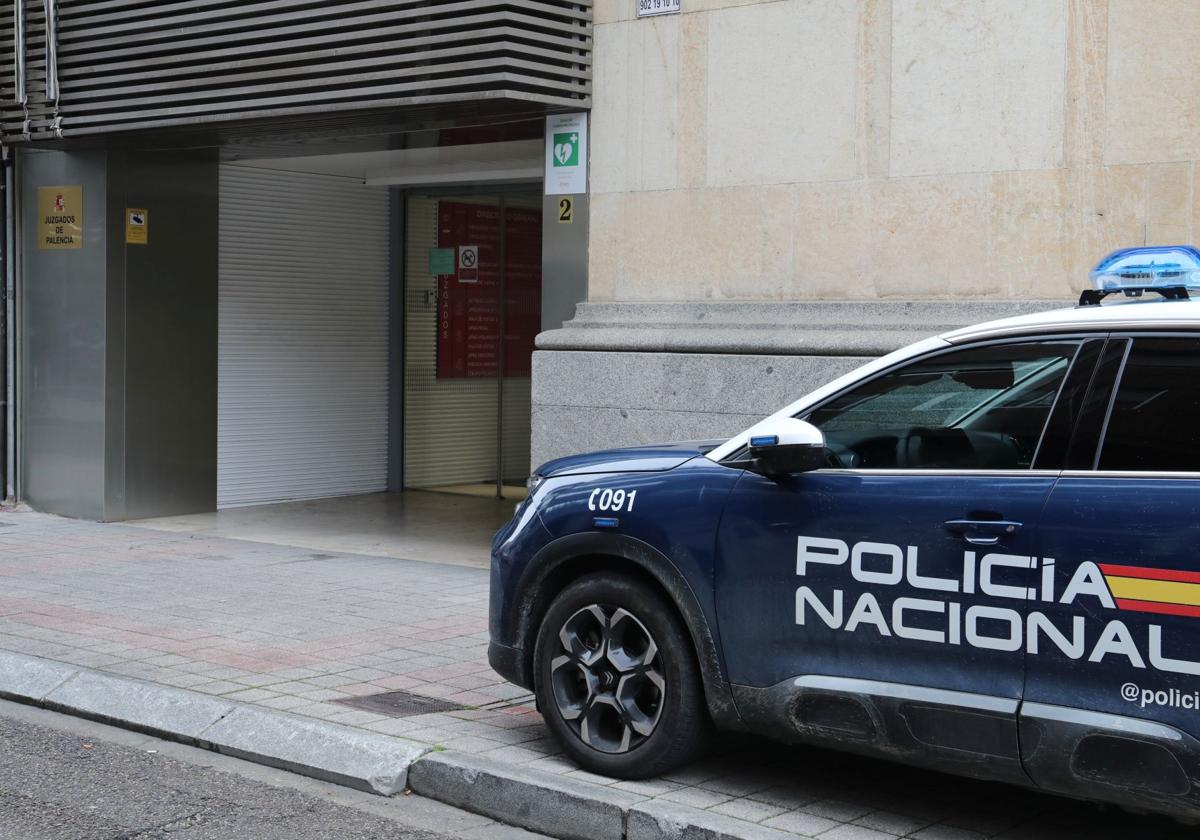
<point>472,307</point>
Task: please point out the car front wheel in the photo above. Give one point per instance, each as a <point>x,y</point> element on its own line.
<point>616,678</point>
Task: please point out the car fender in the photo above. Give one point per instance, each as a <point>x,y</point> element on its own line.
<point>531,600</point>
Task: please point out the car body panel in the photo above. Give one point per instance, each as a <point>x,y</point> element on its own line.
<point>1121,538</point>
<point>667,530</point>
<point>853,610</point>
<point>653,458</point>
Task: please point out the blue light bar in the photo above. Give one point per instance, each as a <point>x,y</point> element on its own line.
<point>764,440</point>
<point>606,522</point>
<point>1156,267</point>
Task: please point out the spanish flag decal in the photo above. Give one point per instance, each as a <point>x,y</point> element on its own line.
<point>1163,591</point>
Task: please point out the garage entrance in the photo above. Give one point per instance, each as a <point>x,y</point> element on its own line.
<point>376,331</point>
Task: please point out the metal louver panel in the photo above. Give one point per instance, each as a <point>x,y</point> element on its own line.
<point>142,64</point>
<point>302,403</point>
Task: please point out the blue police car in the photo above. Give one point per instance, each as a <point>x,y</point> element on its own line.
<point>979,554</point>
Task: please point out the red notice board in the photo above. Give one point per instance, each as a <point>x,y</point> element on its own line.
<point>468,335</point>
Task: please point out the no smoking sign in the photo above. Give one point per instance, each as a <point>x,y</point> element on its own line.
<point>468,263</point>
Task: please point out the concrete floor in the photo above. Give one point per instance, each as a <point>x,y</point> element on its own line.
<point>414,525</point>
<point>516,492</point>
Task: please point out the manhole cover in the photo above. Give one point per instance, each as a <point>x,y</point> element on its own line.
<point>399,704</point>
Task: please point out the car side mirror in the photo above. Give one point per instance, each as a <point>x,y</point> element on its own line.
<point>784,446</point>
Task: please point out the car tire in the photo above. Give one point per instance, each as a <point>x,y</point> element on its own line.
<point>616,678</point>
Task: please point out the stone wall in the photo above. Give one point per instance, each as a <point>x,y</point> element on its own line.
<point>820,149</point>
<point>624,374</point>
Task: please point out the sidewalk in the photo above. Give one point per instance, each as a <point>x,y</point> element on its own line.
<point>301,632</point>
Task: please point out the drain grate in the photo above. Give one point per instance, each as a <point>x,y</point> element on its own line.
<point>399,704</point>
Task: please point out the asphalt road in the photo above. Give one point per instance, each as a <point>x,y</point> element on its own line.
<point>66,779</point>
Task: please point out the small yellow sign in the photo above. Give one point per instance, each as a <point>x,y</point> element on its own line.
<point>60,217</point>
<point>566,210</point>
<point>137,226</point>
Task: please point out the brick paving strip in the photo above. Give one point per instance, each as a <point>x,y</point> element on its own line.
<point>249,647</point>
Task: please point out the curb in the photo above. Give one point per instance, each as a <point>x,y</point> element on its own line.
<point>533,799</point>
<point>568,808</point>
<point>327,751</point>
<point>540,802</point>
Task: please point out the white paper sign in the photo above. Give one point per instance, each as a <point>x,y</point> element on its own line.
<point>566,154</point>
<point>656,7</point>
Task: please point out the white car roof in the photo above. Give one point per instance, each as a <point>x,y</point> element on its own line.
<point>1132,314</point>
<point>1152,313</point>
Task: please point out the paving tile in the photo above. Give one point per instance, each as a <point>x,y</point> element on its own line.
<point>739,783</point>
<point>355,717</point>
<point>553,764</point>
<point>747,809</point>
<point>319,694</point>
<point>585,776</point>
<point>646,787</point>
<point>218,687</point>
<point>890,822</point>
<point>250,695</point>
<point>696,797</point>
<point>798,822</point>
<point>283,703</point>
<point>838,809</point>
<point>330,681</point>
<point>394,726</point>
<point>470,744</point>
<point>181,680</point>
<point>786,796</point>
<point>848,831</point>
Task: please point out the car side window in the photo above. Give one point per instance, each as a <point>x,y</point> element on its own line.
<point>1154,423</point>
<point>980,408</point>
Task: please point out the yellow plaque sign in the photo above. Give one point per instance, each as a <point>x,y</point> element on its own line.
<point>137,226</point>
<point>566,210</point>
<point>60,217</point>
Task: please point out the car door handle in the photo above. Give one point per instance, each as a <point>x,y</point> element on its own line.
<point>982,531</point>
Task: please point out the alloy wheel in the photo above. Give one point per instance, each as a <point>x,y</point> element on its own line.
<point>607,678</point>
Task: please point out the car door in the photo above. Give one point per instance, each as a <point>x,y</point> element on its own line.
<point>901,571</point>
<point>1113,638</point>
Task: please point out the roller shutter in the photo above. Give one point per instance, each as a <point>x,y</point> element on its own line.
<point>303,338</point>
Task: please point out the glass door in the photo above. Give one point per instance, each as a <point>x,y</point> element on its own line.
<point>472,309</point>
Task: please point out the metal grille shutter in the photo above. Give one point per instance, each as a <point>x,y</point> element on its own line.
<point>302,402</point>
<point>141,64</point>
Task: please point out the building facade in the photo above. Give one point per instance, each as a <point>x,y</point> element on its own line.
<point>780,188</point>
<point>262,251</point>
<point>268,251</point>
